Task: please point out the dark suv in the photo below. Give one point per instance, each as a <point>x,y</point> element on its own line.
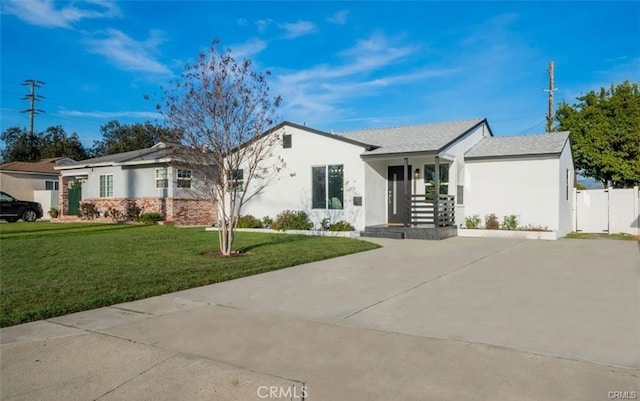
<point>12,209</point>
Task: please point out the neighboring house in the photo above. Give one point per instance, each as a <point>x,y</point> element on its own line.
<point>391,176</point>
<point>145,178</point>
<point>33,181</point>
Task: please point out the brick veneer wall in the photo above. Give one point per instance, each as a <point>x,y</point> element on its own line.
<point>177,211</point>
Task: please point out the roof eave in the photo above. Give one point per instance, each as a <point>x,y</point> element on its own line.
<point>518,156</point>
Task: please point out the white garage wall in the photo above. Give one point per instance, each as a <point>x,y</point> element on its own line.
<point>566,200</point>
<point>527,188</point>
<point>292,189</point>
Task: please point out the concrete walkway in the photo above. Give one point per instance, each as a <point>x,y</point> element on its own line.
<point>463,319</point>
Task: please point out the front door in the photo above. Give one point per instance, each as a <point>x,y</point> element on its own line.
<point>75,195</point>
<point>397,202</point>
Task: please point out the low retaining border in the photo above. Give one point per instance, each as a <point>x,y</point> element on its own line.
<point>483,233</point>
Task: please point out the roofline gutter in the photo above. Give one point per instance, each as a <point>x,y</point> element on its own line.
<point>112,164</point>
<point>519,156</point>
<point>28,172</point>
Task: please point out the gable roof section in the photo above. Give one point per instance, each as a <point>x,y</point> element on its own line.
<point>44,166</point>
<point>342,138</point>
<point>427,138</point>
<point>159,152</point>
<point>538,145</point>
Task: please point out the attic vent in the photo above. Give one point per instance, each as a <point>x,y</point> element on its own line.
<point>286,141</point>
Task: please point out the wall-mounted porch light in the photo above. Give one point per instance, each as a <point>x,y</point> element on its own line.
<point>416,174</point>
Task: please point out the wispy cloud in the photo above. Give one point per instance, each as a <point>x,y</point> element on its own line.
<point>129,54</point>
<point>242,22</point>
<point>149,115</point>
<point>45,13</point>
<point>263,24</point>
<point>248,49</point>
<point>339,18</point>
<point>324,92</point>
<point>297,29</point>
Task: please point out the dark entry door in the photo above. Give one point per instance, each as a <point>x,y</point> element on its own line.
<point>75,195</point>
<point>398,208</point>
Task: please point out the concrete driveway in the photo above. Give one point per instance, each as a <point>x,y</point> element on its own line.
<point>463,318</point>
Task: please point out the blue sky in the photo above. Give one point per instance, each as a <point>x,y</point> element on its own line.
<point>337,65</point>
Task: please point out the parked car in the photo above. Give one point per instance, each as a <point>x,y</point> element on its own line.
<point>12,209</point>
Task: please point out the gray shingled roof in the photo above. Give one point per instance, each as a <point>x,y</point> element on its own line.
<point>156,152</point>
<point>527,145</point>
<point>414,138</point>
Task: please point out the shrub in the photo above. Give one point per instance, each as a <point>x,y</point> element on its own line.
<point>292,220</point>
<point>53,212</point>
<point>341,226</point>
<point>87,211</point>
<point>325,224</point>
<point>510,222</point>
<point>133,212</point>
<point>491,222</point>
<point>150,217</point>
<point>115,214</point>
<point>472,221</point>
<point>267,222</point>
<point>248,221</point>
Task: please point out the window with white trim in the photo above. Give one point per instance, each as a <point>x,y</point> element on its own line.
<point>237,180</point>
<point>51,185</point>
<point>184,179</point>
<point>162,179</point>
<point>106,186</point>
<point>327,187</point>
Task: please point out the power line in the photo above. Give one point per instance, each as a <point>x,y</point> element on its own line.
<point>33,98</point>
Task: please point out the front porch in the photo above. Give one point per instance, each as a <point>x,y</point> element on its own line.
<point>425,219</point>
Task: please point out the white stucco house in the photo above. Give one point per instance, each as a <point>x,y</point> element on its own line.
<point>147,178</point>
<point>390,177</point>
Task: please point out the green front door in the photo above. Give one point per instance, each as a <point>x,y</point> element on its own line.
<point>75,194</point>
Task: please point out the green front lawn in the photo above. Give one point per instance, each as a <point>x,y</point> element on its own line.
<point>51,269</point>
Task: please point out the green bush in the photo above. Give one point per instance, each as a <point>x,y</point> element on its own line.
<point>472,221</point>
<point>510,222</point>
<point>248,221</point>
<point>267,222</point>
<point>150,217</point>
<point>341,226</point>
<point>325,224</point>
<point>292,220</point>
<point>491,222</point>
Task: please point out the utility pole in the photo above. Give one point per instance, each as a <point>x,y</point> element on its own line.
<point>33,98</point>
<point>550,90</point>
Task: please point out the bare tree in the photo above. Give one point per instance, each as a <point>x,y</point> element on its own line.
<point>224,112</point>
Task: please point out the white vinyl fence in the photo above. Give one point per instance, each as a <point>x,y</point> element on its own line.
<point>607,211</point>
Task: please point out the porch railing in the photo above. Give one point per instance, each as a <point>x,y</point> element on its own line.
<point>427,211</point>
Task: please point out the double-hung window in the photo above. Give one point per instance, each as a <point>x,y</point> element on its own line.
<point>430,180</point>
<point>327,187</point>
<point>184,179</point>
<point>106,186</point>
<point>162,179</point>
<point>237,180</point>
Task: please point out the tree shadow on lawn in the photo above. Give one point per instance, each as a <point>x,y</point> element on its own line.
<point>69,231</point>
<point>275,239</point>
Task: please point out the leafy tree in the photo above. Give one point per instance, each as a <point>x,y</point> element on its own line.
<point>56,143</point>
<point>222,110</point>
<point>21,145</point>
<point>118,138</point>
<point>605,133</point>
